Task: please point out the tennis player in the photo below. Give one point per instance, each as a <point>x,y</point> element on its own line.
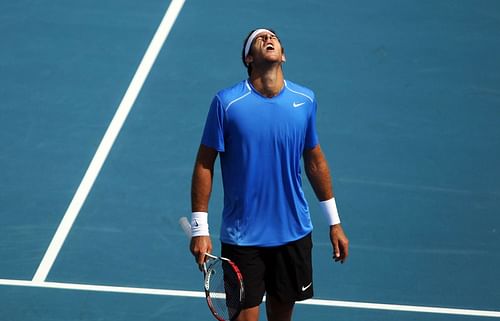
<point>262,127</point>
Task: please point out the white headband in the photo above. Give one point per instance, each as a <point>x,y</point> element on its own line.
<point>250,39</point>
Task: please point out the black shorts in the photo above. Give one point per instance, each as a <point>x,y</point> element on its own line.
<point>284,272</point>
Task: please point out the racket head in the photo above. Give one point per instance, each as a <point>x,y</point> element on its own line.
<point>224,288</point>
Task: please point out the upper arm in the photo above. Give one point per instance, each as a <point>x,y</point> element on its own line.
<point>313,156</point>
<point>318,172</point>
<point>206,157</point>
<point>201,183</point>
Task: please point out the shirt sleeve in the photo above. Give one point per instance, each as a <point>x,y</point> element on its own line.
<point>213,134</point>
<point>311,135</point>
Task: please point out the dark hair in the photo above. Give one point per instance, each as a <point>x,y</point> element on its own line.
<point>249,66</point>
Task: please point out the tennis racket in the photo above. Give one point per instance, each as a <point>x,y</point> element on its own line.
<point>223,283</point>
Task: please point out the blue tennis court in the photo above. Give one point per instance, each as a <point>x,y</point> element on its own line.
<point>102,105</point>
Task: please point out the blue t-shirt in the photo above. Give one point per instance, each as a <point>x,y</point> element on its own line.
<point>261,141</point>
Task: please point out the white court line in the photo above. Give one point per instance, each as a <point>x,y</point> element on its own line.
<point>108,140</point>
<point>196,294</point>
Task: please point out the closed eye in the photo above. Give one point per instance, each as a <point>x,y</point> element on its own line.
<point>265,37</point>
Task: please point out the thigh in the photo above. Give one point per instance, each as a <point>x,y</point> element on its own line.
<point>252,267</point>
<point>289,277</point>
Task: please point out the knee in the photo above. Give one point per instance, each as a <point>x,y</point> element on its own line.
<point>277,310</point>
<point>251,314</point>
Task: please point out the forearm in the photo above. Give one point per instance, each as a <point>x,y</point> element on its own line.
<point>201,188</point>
<point>318,173</point>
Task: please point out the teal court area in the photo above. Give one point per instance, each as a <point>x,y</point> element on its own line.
<point>102,105</point>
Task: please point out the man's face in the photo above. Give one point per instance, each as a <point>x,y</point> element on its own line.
<point>266,47</point>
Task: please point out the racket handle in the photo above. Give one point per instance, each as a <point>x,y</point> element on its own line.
<point>186,226</point>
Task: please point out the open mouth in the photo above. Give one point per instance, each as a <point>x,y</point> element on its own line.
<point>269,47</point>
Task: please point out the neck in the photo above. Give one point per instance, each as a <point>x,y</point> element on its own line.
<point>268,82</point>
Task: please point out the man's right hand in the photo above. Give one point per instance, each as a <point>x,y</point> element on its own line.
<point>199,246</point>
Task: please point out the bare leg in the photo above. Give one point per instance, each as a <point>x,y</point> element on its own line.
<point>278,311</point>
<point>250,314</point>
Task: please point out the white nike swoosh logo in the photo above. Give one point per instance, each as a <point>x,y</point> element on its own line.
<point>306,287</point>
<point>298,104</point>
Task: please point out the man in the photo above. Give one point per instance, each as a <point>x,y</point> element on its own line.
<point>262,127</point>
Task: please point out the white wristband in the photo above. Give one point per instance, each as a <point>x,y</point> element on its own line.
<point>199,224</point>
<point>330,211</point>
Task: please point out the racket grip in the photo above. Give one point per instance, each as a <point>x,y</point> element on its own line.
<point>186,226</point>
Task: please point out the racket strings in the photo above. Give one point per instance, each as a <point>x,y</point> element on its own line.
<point>224,290</point>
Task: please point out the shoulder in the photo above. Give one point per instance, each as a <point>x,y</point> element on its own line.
<point>300,90</point>
<point>231,94</point>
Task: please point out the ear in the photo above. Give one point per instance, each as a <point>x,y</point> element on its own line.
<point>248,59</point>
<point>283,58</point>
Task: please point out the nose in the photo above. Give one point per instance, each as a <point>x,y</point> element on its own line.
<point>267,37</point>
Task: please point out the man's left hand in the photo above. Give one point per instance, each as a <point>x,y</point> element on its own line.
<point>340,243</point>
